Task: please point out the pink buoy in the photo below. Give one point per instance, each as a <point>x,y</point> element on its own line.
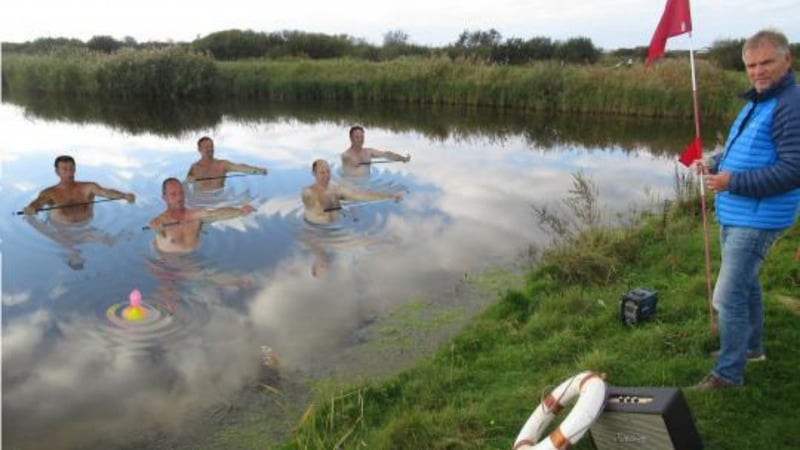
<point>135,298</point>
<point>134,310</point>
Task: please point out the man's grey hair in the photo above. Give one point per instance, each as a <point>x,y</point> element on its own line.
<point>770,36</point>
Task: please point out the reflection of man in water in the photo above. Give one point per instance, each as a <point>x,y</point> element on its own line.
<point>209,173</point>
<point>322,199</point>
<point>78,194</point>
<point>178,228</point>
<point>356,159</point>
<point>180,274</point>
<point>70,236</point>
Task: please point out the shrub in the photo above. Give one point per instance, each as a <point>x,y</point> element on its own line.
<point>163,74</point>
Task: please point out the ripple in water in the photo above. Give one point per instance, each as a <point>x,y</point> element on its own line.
<point>360,226</point>
<point>377,180</point>
<point>227,196</point>
<point>361,223</point>
<point>161,323</point>
<point>172,308</point>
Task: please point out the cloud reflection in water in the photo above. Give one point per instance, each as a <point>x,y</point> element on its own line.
<point>467,208</point>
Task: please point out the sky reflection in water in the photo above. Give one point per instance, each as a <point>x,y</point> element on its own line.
<point>72,377</point>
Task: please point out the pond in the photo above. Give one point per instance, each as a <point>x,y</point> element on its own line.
<point>235,329</point>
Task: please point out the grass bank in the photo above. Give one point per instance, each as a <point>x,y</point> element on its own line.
<point>478,390</point>
<point>168,74</point>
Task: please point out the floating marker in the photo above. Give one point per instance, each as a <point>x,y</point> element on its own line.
<point>134,310</point>
<point>135,298</point>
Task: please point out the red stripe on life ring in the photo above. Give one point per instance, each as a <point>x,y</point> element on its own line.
<point>593,375</point>
<point>551,404</point>
<point>558,439</point>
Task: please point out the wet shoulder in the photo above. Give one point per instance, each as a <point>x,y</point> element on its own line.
<point>196,215</point>
<point>49,192</point>
<point>222,165</point>
<point>87,187</point>
<point>159,219</point>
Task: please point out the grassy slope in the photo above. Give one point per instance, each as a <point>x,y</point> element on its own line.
<point>477,391</point>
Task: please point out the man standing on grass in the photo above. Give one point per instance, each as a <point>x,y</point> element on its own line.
<point>757,183</point>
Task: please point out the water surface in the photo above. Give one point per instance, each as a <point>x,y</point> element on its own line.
<point>75,375</point>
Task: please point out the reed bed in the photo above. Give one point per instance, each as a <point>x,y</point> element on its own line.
<point>168,74</point>
<point>659,91</point>
<point>156,74</point>
<point>72,73</point>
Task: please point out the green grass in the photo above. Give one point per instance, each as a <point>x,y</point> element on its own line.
<point>160,75</point>
<point>477,391</point>
<point>660,91</point>
<point>172,74</point>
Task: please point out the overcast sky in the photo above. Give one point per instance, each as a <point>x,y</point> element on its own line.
<point>609,23</point>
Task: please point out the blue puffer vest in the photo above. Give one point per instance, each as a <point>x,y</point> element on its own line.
<point>750,146</point>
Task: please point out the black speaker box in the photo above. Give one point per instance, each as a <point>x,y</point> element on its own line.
<point>645,418</point>
<point>638,306</point>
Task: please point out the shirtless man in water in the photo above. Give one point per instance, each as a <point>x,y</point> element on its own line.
<point>209,173</point>
<point>322,199</point>
<point>79,194</point>
<point>178,228</point>
<point>356,159</point>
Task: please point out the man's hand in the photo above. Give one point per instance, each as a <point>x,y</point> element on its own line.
<point>29,210</point>
<point>397,197</point>
<point>407,158</point>
<point>130,197</point>
<point>260,171</point>
<point>718,182</point>
<point>699,167</point>
<point>246,209</point>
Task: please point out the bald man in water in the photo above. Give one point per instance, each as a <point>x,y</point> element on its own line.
<point>356,159</point>
<point>72,200</point>
<point>322,199</point>
<point>208,173</point>
<point>178,228</point>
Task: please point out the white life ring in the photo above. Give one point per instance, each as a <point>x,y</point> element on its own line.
<point>592,390</point>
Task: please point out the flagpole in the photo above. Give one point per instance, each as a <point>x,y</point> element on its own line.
<point>709,295</point>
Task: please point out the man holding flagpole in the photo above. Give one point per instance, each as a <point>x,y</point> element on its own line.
<point>757,183</point>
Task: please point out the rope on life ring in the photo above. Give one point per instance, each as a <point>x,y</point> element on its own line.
<point>592,390</point>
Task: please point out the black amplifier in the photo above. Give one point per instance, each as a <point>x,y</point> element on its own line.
<point>645,418</point>
<point>637,306</point>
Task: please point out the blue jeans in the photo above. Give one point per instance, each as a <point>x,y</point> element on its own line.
<point>737,298</point>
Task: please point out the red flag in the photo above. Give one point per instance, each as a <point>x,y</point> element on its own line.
<point>676,20</point>
<point>693,152</point>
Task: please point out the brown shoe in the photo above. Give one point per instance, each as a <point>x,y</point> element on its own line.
<point>712,383</point>
<point>752,356</point>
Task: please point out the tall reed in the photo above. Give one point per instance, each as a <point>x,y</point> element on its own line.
<point>171,74</point>
<point>660,91</point>
<point>64,73</point>
<point>158,74</point>
<point>155,74</point>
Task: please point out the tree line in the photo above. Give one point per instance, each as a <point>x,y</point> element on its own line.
<point>479,46</point>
